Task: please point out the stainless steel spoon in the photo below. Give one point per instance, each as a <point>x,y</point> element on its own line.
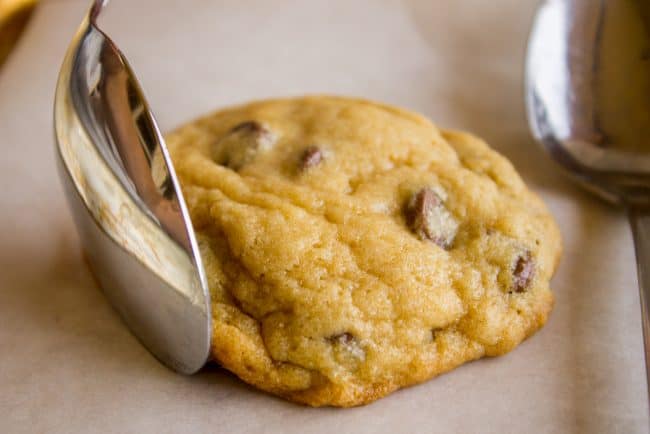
<point>127,204</point>
<point>588,97</point>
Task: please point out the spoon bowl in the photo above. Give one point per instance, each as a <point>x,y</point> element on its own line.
<point>127,203</point>
<point>588,92</point>
<point>588,101</point>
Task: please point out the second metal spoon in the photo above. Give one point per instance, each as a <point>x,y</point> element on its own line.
<point>588,97</point>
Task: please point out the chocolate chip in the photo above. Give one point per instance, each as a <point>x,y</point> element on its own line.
<point>248,126</point>
<point>312,156</point>
<point>347,348</point>
<point>523,272</point>
<point>242,143</point>
<point>428,218</point>
<point>343,339</point>
<point>422,203</point>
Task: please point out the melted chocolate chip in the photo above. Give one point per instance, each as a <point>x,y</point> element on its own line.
<point>346,347</point>
<point>343,338</point>
<point>429,219</point>
<point>523,272</point>
<point>420,207</point>
<point>242,143</point>
<point>248,126</point>
<point>312,156</point>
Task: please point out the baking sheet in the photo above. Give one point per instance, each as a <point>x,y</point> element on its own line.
<point>67,364</point>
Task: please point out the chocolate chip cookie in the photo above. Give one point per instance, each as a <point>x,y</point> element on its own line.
<point>354,248</point>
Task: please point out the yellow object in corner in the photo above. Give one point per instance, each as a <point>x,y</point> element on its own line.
<point>14,15</point>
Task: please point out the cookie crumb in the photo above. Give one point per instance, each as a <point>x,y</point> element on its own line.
<point>242,143</point>
<point>523,273</point>
<point>429,219</point>
<point>312,156</point>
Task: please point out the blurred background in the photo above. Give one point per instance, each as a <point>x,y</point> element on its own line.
<point>14,16</point>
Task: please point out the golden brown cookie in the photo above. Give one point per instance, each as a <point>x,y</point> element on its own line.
<point>354,248</point>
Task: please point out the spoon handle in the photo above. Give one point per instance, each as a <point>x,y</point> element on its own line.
<point>640,221</point>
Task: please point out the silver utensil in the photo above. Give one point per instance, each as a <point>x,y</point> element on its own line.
<point>588,98</point>
<point>126,201</point>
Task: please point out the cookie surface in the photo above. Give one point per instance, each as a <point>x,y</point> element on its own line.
<point>354,248</point>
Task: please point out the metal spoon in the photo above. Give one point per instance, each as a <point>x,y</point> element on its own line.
<point>588,97</point>
<point>127,204</point>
